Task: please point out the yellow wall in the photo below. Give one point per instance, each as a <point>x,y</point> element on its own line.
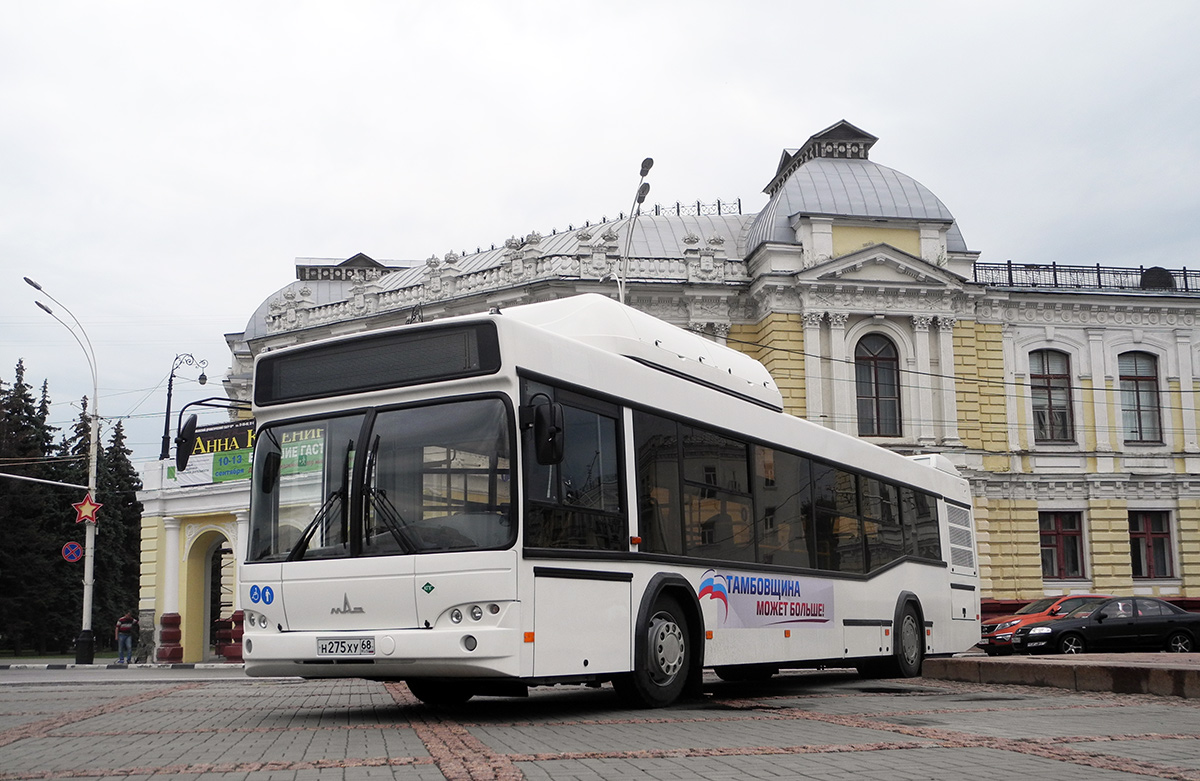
<point>982,397</point>
<point>1009,549</point>
<point>149,591</point>
<point>1189,545</point>
<point>1108,528</point>
<point>781,337</point>
<point>847,239</point>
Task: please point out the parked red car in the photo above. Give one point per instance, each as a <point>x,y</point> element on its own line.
<point>996,633</point>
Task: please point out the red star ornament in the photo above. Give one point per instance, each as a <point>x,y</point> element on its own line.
<point>86,510</point>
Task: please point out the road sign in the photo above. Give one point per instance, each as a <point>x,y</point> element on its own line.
<point>72,551</point>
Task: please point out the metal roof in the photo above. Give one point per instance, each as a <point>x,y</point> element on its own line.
<point>836,187</point>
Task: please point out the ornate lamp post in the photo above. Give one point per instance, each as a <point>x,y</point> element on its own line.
<point>85,645</point>
<point>183,359</point>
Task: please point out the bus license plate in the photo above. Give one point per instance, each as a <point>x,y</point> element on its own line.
<point>345,646</point>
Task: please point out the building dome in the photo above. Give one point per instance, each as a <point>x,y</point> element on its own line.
<point>830,176</point>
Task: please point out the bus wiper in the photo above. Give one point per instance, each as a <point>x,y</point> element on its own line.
<point>323,512</point>
<point>383,506</point>
<point>393,520</point>
<point>297,551</point>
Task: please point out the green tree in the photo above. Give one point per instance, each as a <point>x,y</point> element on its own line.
<point>118,538</point>
<point>25,581</point>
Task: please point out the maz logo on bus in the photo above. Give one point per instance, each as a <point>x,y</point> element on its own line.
<point>345,608</point>
<point>755,600</point>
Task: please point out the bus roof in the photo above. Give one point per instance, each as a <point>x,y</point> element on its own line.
<point>613,327</point>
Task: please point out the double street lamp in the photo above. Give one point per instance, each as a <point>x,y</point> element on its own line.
<point>85,645</point>
<point>183,359</point>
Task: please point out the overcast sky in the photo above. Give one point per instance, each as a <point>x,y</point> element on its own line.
<point>162,165</point>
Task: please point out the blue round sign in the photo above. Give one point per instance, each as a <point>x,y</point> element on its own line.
<point>255,594</point>
<point>72,551</point>
<point>268,595</point>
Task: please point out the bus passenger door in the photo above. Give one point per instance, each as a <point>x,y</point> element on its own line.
<point>582,621</point>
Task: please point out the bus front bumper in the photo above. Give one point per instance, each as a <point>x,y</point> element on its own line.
<point>479,651</point>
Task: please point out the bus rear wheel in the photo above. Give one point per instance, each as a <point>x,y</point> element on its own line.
<point>663,664</point>
<point>908,652</point>
<point>438,693</point>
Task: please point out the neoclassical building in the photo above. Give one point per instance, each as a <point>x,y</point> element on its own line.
<point>1066,394</point>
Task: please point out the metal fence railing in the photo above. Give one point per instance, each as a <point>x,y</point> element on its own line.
<point>1095,277</point>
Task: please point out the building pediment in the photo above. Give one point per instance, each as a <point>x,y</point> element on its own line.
<point>880,264</point>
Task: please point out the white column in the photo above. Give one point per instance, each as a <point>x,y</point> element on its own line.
<point>947,380</point>
<point>1187,392</point>
<point>924,379</point>
<point>843,404</point>
<point>814,380</point>
<point>170,568</point>
<point>242,534</point>
<point>1100,395</point>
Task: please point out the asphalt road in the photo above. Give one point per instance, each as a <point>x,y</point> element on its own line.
<point>215,724</point>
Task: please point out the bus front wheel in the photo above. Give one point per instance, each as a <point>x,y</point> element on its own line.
<point>662,666</point>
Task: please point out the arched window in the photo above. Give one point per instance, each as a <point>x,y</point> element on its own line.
<point>877,378</point>
<point>1139,397</point>
<point>1050,386</point>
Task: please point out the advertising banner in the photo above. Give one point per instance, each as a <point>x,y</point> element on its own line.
<point>767,600</point>
<point>222,453</point>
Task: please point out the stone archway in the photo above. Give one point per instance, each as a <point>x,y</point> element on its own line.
<point>199,581</point>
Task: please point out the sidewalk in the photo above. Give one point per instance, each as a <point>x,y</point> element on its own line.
<point>1163,674</point>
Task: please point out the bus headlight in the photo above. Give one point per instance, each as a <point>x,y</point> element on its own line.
<point>456,616</point>
<point>476,612</point>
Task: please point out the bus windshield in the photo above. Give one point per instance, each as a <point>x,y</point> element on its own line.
<point>414,480</point>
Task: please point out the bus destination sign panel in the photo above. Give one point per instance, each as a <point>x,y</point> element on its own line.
<point>394,359</point>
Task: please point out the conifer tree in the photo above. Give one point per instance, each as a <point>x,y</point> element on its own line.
<point>24,558</point>
<point>118,539</point>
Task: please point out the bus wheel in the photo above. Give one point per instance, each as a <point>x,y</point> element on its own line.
<point>661,670</point>
<point>910,644</point>
<point>440,692</point>
<point>908,651</point>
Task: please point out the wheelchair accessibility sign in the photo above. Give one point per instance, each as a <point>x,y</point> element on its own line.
<point>266,594</point>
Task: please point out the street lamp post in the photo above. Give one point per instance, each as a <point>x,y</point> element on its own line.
<point>85,647</point>
<point>183,359</point>
<point>634,210</point>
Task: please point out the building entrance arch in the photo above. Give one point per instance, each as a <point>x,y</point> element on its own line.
<point>208,584</point>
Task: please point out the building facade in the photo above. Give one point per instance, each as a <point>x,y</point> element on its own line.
<point>1066,394</point>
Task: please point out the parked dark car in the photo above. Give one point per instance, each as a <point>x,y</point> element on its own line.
<point>1117,624</point>
<point>996,634</point>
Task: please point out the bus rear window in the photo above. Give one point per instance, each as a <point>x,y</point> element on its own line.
<point>388,360</point>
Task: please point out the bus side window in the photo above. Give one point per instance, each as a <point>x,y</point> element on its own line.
<point>880,502</point>
<point>656,448</point>
<point>839,541</point>
<point>919,513</point>
<point>576,503</point>
<point>783,494</point>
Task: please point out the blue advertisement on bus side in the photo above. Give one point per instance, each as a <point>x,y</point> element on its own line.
<point>767,600</point>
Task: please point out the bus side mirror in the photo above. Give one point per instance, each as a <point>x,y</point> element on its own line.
<point>185,442</point>
<point>548,433</point>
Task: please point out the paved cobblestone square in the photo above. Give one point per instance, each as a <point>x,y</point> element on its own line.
<point>803,726</point>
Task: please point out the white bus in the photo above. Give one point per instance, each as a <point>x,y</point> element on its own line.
<point>577,492</point>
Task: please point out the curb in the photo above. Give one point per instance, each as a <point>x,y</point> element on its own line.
<point>1101,676</point>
